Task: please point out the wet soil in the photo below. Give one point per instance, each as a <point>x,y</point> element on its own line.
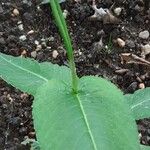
<point>32,33</point>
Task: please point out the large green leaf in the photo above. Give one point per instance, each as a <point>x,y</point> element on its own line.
<point>97,118</point>
<point>27,74</point>
<point>143,147</point>
<point>140,103</point>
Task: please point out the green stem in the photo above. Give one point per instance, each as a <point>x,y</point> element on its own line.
<point>58,15</point>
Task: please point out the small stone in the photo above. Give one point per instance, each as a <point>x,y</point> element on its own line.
<point>145,49</point>
<point>130,44</point>
<point>65,13</point>
<point>16,12</point>
<point>43,44</point>
<point>121,42</point>
<point>23,130</point>
<point>144,34</point>
<point>19,22</point>
<point>30,32</point>
<point>2,41</point>
<point>55,54</point>
<point>24,53</point>
<point>43,40</point>
<point>36,42</point>
<point>117,11</point>
<point>20,26</point>
<point>22,38</point>
<point>141,86</point>
<point>51,39</point>
<point>34,54</point>
<point>31,134</point>
<point>38,47</point>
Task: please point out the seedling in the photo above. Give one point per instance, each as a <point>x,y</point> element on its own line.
<point>71,113</point>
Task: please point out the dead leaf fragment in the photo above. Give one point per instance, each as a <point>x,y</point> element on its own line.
<point>110,18</point>
<point>129,58</point>
<point>104,15</point>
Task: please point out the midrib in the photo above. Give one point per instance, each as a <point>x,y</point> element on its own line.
<point>138,104</point>
<point>86,122</point>
<point>39,76</point>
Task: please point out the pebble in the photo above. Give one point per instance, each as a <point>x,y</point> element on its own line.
<point>121,42</point>
<point>130,43</point>
<point>16,12</point>
<point>24,53</point>
<point>43,40</point>
<point>44,44</point>
<point>54,54</point>
<point>2,41</point>
<point>20,26</point>
<point>117,11</point>
<point>38,47</point>
<point>141,86</point>
<point>30,32</point>
<point>144,34</point>
<point>33,54</point>
<point>22,37</point>
<point>145,49</point>
<point>36,42</point>
<point>65,13</point>
<point>51,39</point>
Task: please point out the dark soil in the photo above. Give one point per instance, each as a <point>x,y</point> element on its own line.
<point>15,107</point>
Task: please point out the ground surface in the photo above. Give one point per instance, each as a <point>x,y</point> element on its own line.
<point>32,33</point>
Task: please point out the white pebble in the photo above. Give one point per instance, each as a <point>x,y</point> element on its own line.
<point>117,11</point>
<point>38,47</point>
<point>42,40</point>
<point>16,12</point>
<point>55,54</point>
<point>144,34</point>
<point>33,54</point>
<point>121,42</point>
<point>36,42</point>
<point>30,32</point>
<point>65,13</point>
<point>20,26</point>
<point>22,37</point>
<point>145,49</point>
<point>19,22</point>
<point>51,39</point>
<point>141,86</point>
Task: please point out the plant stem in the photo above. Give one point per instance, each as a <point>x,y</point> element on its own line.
<point>74,76</point>
<point>58,15</point>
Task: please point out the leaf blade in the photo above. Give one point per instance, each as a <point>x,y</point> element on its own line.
<point>79,121</point>
<point>143,147</point>
<point>27,74</point>
<point>139,103</point>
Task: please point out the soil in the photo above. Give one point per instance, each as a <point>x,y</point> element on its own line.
<point>30,31</point>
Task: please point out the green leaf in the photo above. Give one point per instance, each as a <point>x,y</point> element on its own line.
<point>27,74</point>
<point>97,118</point>
<point>140,103</point>
<point>143,147</point>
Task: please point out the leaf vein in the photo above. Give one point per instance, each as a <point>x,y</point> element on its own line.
<point>86,122</point>
<point>30,72</point>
